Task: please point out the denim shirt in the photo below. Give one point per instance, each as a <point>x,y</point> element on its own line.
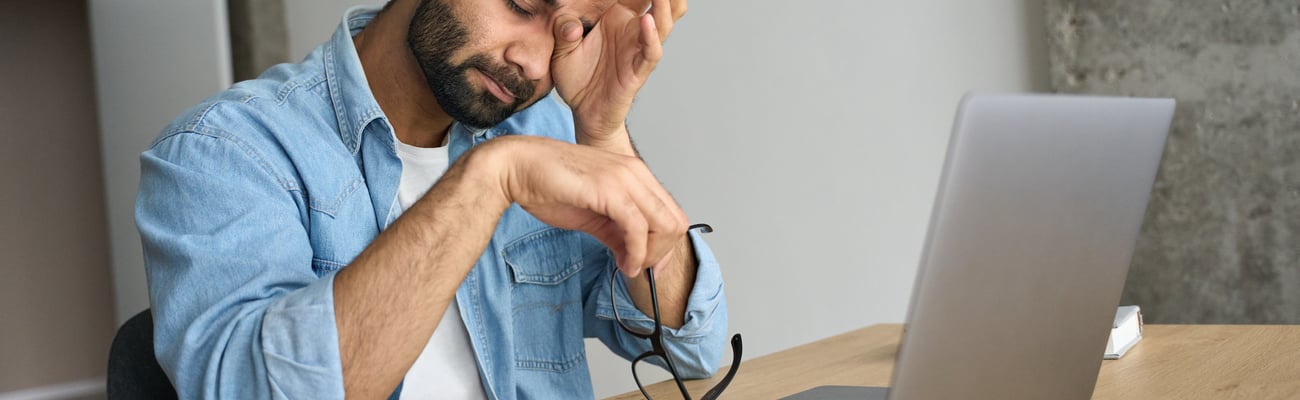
<point>253,200</point>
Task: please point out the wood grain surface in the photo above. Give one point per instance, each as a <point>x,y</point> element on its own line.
<point>1171,362</point>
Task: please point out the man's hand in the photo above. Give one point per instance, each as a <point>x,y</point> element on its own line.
<point>599,75</point>
<point>678,8</point>
<point>610,196</point>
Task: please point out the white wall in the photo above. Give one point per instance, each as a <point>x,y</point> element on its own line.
<point>810,134</point>
<point>152,60</point>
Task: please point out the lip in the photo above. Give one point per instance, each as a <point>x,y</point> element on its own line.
<point>496,88</point>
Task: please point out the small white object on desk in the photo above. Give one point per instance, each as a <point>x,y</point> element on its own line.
<point>1125,333</point>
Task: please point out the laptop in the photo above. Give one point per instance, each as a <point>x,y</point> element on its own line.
<point>1033,227</point>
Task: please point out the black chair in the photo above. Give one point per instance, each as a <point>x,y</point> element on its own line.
<point>133,372</point>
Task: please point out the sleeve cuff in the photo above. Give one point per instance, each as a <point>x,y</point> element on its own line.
<point>704,301</point>
<point>292,363</point>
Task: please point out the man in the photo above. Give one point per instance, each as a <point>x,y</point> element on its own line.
<point>279,266</point>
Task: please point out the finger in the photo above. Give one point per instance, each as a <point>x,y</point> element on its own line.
<point>659,191</point>
<point>679,9</point>
<point>661,218</point>
<point>668,223</point>
<point>678,215</point>
<point>568,34</point>
<point>661,225</point>
<point>639,6</point>
<point>662,10</point>
<point>627,215</point>
<point>611,235</point>
<point>664,224</point>
<point>652,49</point>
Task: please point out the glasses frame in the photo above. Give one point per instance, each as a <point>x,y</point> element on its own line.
<point>657,339</point>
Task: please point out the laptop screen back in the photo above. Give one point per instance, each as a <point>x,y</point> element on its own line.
<point>1029,243</point>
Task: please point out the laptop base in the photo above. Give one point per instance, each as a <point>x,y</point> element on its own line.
<point>841,393</point>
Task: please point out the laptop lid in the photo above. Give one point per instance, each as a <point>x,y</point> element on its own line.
<point>1034,224</point>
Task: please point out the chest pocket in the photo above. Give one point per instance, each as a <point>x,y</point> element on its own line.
<point>340,222</point>
<point>546,298</point>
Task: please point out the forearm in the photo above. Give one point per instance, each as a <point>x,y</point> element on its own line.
<point>674,283</point>
<point>698,344</point>
<point>675,280</point>
<point>384,299</point>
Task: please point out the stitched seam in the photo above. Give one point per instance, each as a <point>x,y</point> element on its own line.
<point>563,365</point>
<point>188,126</point>
<point>328,265</point>
<point>200,116</point>
<point>543,279</point>
<point>248,150</point>
<point>479,318</point>
<point>336,98</point>
<point>552,308</point>
<point>337,203</point>
<point>288,88</point>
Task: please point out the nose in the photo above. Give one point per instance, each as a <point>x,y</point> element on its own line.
<point>532,53</point>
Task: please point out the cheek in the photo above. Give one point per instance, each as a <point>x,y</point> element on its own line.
<point>476,22</point>
<point>544,88</point>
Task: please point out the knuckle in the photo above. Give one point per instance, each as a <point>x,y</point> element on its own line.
<point>634,220</point>
<point>639,226</point>
<point>627,171</point>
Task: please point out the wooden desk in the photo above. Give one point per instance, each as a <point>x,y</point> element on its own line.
<point>1172,362</point>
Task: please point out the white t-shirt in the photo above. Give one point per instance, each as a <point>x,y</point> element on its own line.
<point>446,368</point>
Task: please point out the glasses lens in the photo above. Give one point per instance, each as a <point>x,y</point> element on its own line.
<point>651,370</point>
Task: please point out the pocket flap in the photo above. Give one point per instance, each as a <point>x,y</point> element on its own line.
<point>546,257</point>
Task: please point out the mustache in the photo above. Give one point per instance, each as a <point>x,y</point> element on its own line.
<point>507,76</point>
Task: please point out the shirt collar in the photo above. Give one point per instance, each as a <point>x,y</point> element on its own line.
<point>354,103</point>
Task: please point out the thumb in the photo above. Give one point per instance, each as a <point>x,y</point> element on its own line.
<point>568,34</point>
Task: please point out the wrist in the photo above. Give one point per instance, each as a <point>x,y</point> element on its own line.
<point>618,141</point>
<point>487,169</point>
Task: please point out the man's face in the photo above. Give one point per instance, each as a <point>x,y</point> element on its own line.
<point>487,59</point>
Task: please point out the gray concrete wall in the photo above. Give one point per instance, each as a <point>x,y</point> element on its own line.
<point>1220,239</point>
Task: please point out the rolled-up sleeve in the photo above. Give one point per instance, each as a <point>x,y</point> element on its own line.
<point>696,347</point>
<point>239,312</point>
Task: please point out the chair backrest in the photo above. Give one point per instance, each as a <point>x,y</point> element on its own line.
<point>133,372</point>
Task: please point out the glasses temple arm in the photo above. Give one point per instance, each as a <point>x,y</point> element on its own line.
<point>736,347</point>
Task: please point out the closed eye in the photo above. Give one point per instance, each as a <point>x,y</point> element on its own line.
<point>518,10</point>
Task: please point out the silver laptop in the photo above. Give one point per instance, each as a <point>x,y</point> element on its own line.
<point>1033,227</point>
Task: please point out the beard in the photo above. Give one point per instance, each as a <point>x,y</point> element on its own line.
<point>435,35</point>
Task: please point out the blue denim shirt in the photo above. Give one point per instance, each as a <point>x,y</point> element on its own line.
<point>253,200</point>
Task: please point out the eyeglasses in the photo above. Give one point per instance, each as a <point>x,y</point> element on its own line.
<point>657,351</point>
